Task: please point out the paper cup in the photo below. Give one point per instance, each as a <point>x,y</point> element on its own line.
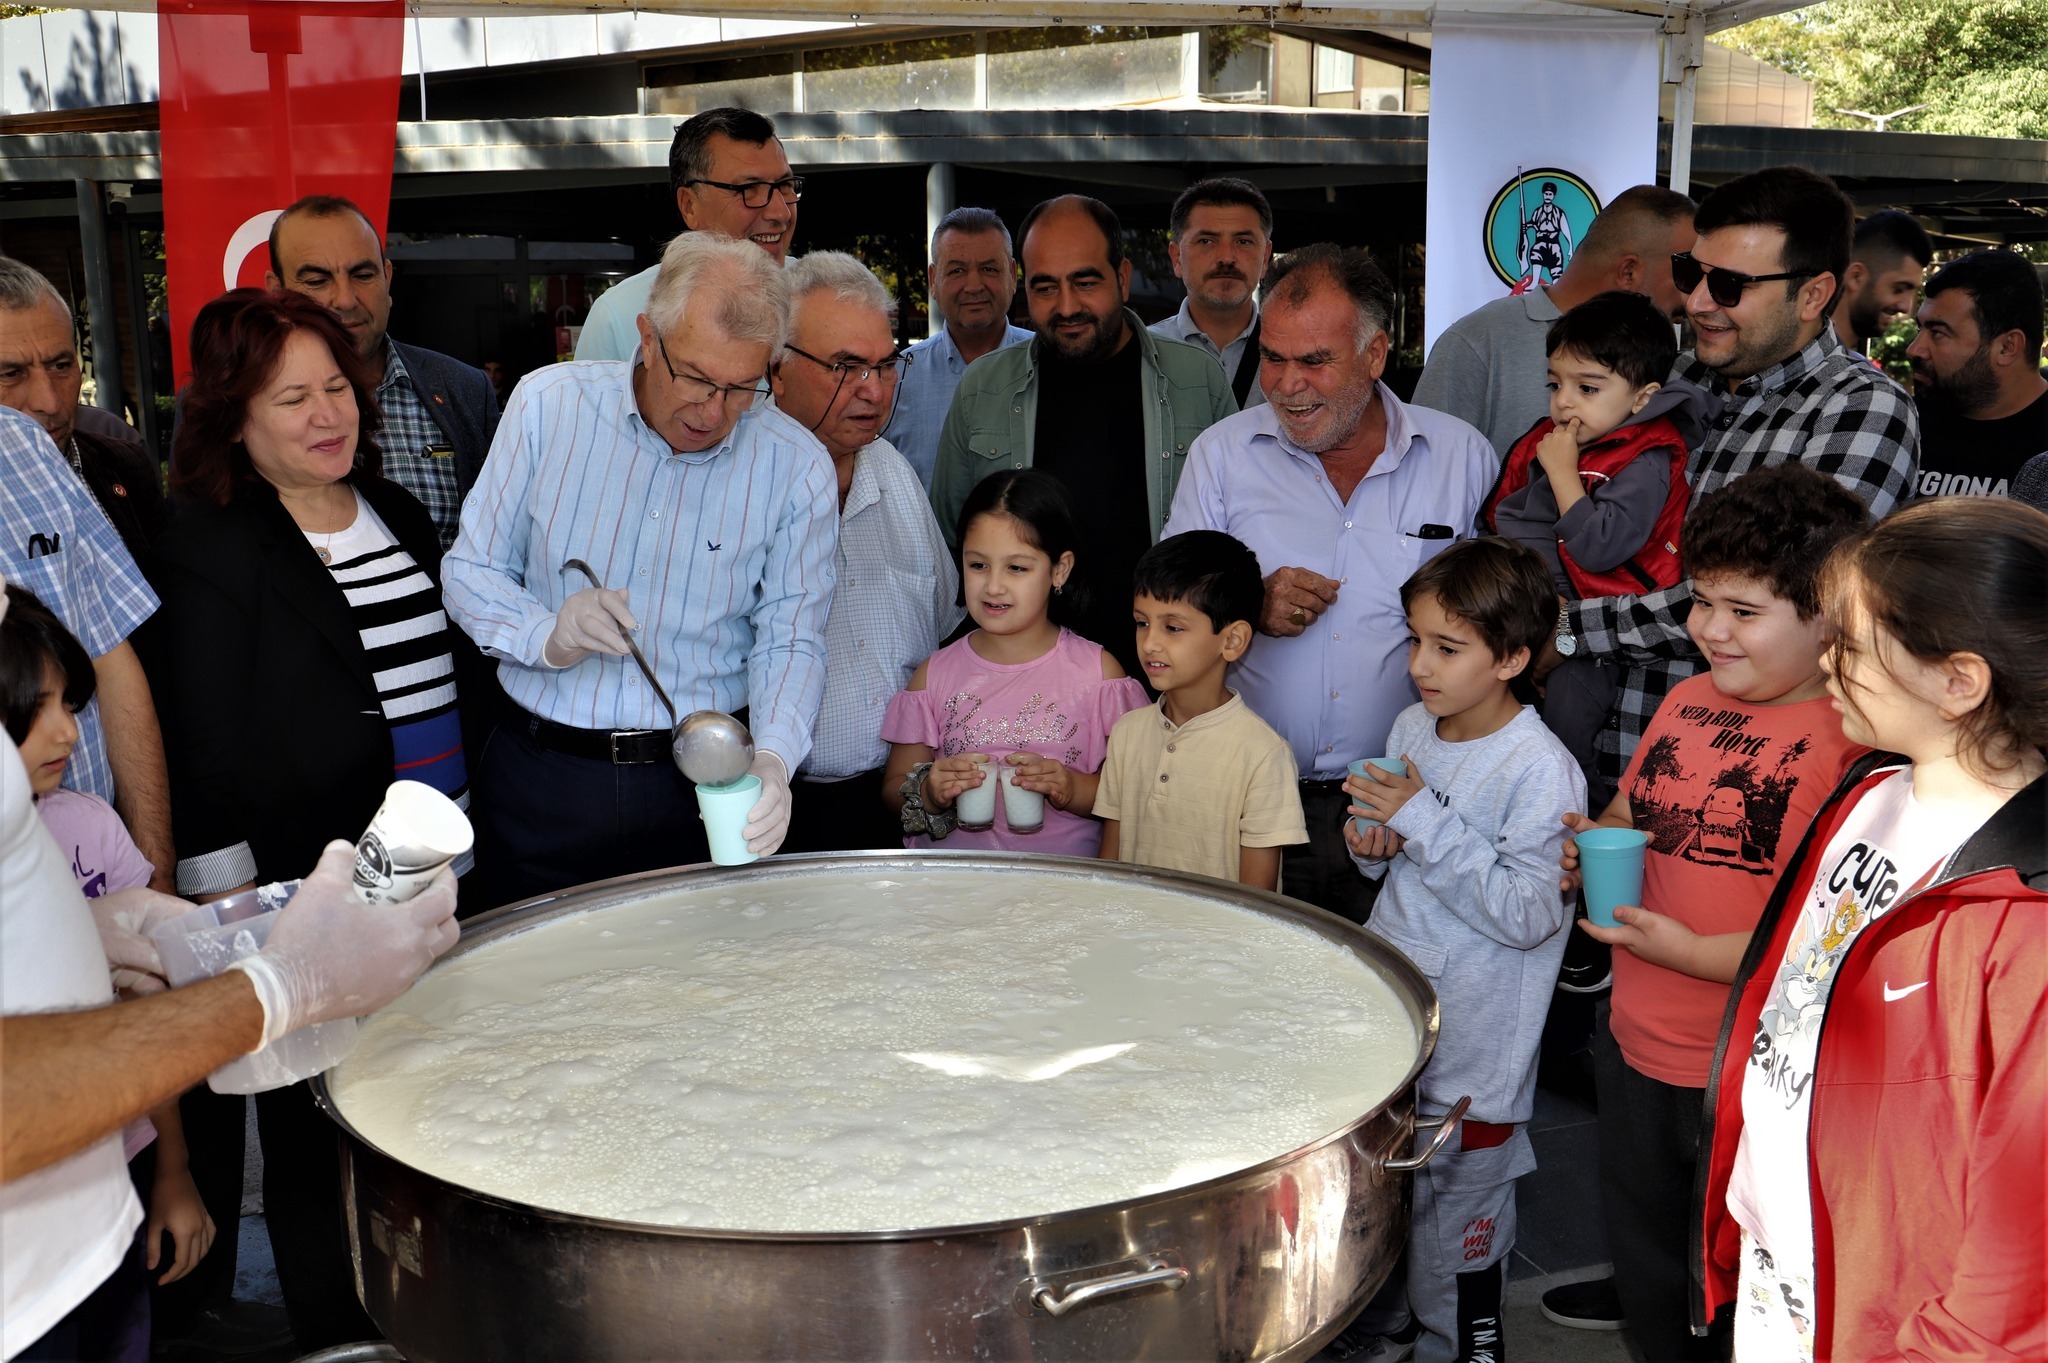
<point>416,832</point>
<point>201,944</point>
<point>1611,871</point>
<point>1392,764</point>
<point>1023,810</point>
<point>725,809</point>
<point>976,808</point>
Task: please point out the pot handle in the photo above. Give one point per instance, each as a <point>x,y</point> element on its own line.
<point>1056,1301</point>
<point>1446,1127</point>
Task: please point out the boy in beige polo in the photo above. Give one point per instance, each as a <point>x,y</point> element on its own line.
<point>1198,782</point>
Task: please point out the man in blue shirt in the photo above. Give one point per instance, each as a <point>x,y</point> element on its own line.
<point>713,524</point>
<point>1343,491</point>
<point>895,599</point>
<point>729,175</point>
<point>56,543</point>
<point>973,280</point>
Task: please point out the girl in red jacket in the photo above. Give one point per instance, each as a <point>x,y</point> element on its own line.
<point>1874,1184</point>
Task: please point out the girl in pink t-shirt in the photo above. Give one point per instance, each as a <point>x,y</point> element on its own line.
<point>46,677</point>
<point>1018,691</point>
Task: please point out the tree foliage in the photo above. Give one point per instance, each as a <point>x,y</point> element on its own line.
<point>1978,65</point>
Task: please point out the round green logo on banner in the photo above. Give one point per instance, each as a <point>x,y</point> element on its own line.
<point>1536,222</point>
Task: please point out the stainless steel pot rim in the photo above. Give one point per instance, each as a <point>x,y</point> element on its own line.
<point>512,919</point>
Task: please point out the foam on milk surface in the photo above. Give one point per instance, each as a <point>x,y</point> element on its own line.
<point>829,1054</point>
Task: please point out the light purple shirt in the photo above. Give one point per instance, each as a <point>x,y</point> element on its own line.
<point>1333,691</point>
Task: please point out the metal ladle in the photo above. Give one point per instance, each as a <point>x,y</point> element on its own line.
<point>709,747</point>
<point>713,748</point>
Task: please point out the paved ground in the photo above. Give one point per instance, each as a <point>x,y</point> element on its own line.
<point>1560,1239</point>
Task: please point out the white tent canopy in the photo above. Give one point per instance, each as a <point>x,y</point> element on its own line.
<point>1713,15</point>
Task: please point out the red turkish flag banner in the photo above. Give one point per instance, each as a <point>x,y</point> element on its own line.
<point>262,103</point>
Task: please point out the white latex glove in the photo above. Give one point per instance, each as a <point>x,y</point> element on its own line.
<point>331,955</point>
<point>125,920</point>
<point>593,620</point>
<point>768,820</point>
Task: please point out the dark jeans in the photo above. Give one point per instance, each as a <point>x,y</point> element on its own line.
<point>1320,871</point>
<point>302,1209</point>
<point>842,816</point>
<point>110,1326</point>
<point>546,821</point>
<point>1649,1150</point>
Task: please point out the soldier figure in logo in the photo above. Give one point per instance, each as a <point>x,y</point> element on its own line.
<point>1546,244</point>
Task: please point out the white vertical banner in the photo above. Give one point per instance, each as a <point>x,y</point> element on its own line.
<point>1532,128</point>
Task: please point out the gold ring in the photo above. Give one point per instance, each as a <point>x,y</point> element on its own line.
<point>1297,616</point>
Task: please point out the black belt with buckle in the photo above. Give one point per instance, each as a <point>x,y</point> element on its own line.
<point>620,747</point>
<point>1311,785</point>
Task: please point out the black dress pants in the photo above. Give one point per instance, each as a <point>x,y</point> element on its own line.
<point>1649,1150</point>
<point>546,820</point>
<point>1320,871</point>
<point>302,1207</point>
<point>842,816</point>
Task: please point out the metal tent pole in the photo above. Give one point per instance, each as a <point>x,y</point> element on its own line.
<point>1685,50</point>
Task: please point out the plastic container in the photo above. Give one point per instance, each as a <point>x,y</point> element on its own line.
<point>415,832</point>
<point>203,943</point>
<point>1392,764</point>
<point>1610,871</point>
<point>725,810</point>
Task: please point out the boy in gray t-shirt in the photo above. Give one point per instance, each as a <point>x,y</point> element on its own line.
<point>1471,897</point>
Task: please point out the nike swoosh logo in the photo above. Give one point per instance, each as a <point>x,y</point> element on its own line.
<point>1892,995</point>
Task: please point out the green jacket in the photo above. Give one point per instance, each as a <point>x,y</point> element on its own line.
<point>993,423</point>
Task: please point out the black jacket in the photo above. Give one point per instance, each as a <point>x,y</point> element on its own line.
<point>128,485</point>
<point>273,732</point>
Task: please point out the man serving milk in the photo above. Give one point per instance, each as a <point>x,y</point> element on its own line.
<point>713,526</point>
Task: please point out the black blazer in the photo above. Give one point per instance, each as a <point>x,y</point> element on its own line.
<point>272,728</point>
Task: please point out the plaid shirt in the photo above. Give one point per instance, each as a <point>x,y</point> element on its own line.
<point>1831,410</point>
<point>57,543</point>
<point>407,433</point>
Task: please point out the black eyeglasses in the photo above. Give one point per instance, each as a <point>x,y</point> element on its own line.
<point>696,390</point>
<point>1723,286</point>
<point>755,193</point>
<point>890,367</point>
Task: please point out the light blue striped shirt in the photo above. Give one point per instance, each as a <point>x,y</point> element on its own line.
<point>57,543</point>
<point>897,598</point>
<point>926,393</point>
<point>726,556</point>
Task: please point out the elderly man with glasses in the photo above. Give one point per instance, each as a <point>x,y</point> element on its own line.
<point>897,597</point>
<point>730,176</point>
<point>708,519</point>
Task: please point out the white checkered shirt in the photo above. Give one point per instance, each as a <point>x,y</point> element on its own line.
<point>1830,409</point>
<point>897,598</point>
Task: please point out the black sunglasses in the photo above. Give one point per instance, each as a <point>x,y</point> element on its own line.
<point>1723,286</point>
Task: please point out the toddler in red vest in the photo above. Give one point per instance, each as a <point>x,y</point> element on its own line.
<point>1598,487</point>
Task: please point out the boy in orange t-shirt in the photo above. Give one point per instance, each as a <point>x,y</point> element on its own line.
<point>1727,780</point>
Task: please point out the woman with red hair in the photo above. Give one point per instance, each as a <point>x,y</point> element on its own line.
<point>300,662</point>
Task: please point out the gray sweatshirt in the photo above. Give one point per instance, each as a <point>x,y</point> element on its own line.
<point>1611,525</point>
<point>1472,899</point>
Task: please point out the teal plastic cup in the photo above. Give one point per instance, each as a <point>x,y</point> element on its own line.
<point>1611,871</point>
<point>1392,764</point>
<point>725,809</point>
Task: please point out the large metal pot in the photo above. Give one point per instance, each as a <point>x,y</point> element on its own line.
<point>1266,1263</point>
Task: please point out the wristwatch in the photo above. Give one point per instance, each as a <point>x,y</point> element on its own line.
<point>935,823</point>
<point>1567,642</point>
